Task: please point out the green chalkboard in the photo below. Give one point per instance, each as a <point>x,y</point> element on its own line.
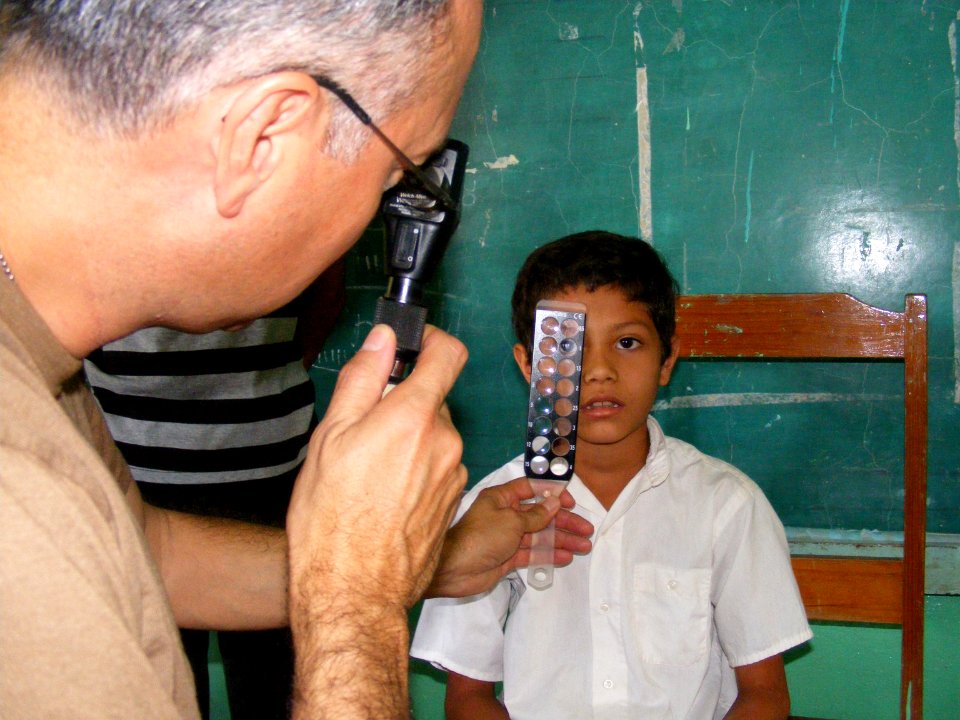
<point>761,147</point>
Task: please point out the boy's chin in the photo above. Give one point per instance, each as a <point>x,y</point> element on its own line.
<point>594,434</point>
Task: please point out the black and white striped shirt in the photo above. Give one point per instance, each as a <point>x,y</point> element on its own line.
<point>224,406</point>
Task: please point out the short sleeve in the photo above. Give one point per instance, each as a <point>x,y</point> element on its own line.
<point>466,635</point>
<point>757,606</point>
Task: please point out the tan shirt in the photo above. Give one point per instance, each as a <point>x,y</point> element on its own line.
<point>86,630</point>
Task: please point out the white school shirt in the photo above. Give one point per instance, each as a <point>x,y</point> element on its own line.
<point>689,575</point>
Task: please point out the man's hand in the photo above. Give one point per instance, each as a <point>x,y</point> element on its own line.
<point>493,538</point>
<point>366,521</point>
<point>381,478</point>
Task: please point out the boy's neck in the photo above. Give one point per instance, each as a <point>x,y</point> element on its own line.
<point>607,469</point>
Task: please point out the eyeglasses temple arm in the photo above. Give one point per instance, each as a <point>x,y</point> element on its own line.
<point>408,165</point>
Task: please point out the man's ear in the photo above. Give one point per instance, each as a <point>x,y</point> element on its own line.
<point>523,360</point>
<point>250,142</point>
<point>666,367</point>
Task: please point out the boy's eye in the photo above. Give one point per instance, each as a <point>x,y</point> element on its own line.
<point>629,343</point>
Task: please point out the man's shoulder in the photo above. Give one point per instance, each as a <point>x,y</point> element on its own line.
<point>50,443</point>
<point>30,412</point>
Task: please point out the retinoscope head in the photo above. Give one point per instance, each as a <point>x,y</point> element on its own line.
<point>418,230</point>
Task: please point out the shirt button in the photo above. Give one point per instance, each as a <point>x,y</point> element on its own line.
<point>604,607</point>
<point>608,684</point>
<point>672,584</point>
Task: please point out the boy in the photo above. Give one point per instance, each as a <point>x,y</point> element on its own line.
<point>687,601</point>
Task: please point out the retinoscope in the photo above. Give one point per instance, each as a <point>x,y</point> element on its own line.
<point>419,224</point>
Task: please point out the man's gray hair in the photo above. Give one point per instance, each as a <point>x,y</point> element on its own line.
<point>130,66</point>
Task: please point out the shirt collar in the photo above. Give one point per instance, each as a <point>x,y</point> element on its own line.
<point>55,364</point>
<point>654,472</point>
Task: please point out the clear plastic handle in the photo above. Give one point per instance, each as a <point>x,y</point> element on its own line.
<point>540,570</point>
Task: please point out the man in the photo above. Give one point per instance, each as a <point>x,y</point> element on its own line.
<point>217,424</point>
<point>176,164</point>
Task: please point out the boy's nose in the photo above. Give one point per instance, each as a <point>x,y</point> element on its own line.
<point>596,364</point>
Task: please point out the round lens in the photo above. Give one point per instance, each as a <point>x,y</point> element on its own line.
<point>559,466</point>
<point>542,425</point>
<point>549,325</point>
<point>546,386</point>
<point>542,406</point>
<point>569,327</point>
<point>548,346</point>
<point>561,446</point>
<point>540,445</point>
<point>567,367</point>
<point>547,366</point>
<point>568,346</point>
<point>563,407</point>
<point>539,465</point>
<point>562,427</point>
<point>565,387</point>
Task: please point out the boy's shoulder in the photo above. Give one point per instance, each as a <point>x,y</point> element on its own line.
<point>510,470</point>
<point>707,486</point>
<point>690,465</point>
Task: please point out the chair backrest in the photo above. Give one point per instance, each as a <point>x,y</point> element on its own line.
<point>834,326</point>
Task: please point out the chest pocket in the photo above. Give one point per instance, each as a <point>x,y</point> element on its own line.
<point>670,613</point>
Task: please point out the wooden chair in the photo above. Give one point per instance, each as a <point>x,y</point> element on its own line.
<point>833,327</point>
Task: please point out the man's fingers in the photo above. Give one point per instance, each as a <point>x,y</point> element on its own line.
<point>572,544</point>
<point>361,381</point>
<point>441,359</point>
<point>510,494</point>
<point>574,525</point>
<point>519,489</point>
<point>571,537</point>
<point>537,516</point>
<point>567,501</point>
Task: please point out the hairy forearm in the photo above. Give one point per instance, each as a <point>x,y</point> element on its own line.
<point>351,661</point>
<point>361,551</point>
<point>220,574</point>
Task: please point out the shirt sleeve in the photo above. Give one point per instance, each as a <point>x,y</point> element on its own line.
<point>75,642</point>
<point>465,635</point>
<point>757,606</point>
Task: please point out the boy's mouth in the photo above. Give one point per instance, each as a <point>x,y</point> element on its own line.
<point>601,406</point>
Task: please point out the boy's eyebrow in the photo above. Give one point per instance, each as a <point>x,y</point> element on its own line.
<point>629,323</point>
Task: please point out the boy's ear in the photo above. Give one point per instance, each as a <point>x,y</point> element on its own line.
<point>523,361</point>
<point>252,138</point>
<point>666,368</point>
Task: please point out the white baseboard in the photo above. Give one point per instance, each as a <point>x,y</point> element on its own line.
<point>943,551</point>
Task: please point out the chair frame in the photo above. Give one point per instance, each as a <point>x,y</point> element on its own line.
<point>836,326</point>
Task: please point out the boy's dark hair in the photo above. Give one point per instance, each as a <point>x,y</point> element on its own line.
<point>597,259</point>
